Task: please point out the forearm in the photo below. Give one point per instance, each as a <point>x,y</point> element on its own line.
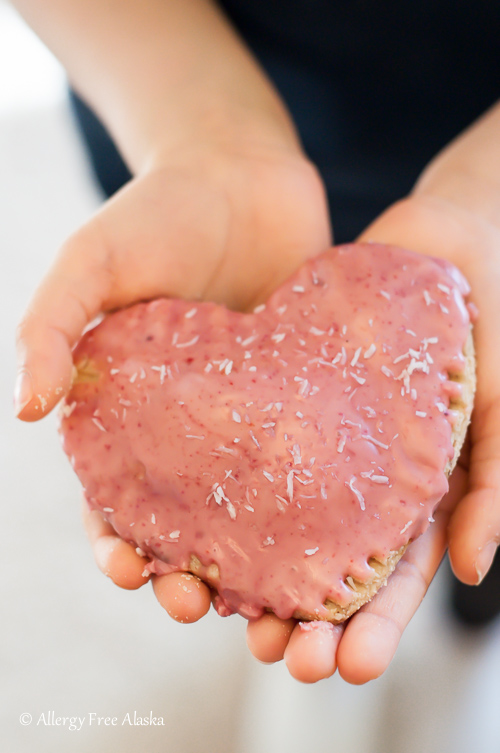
<point>161,73</point>
<point>467,172</point>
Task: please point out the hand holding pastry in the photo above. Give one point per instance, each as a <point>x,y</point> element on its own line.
<point>285,456</point>
<point>453,213</point>
<point>224,208</point>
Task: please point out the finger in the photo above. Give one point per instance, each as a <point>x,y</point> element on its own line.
<point>68,299</point>
<point>268,636</point>
<point>474,530</point>
<point>372,635</point>
<point>114,557</point>
<point>311,651</point>
<point>184,596</point>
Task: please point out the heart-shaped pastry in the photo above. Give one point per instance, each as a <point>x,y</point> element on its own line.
<point>286,456</point>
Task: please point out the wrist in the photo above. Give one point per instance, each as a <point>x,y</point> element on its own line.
<point>215,127</point>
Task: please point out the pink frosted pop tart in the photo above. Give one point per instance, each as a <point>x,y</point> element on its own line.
<point>285,456</point>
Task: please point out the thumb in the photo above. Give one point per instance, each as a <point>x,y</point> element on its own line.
<point>68,299</point>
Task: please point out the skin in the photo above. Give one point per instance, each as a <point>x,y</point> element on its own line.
<point>224,206</point>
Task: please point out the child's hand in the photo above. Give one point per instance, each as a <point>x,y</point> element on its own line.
<point>439,227</point>
<point>454,213</point>
<point>226,226</point>
<point>222,224</point>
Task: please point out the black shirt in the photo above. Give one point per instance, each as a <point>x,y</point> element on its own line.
<point>376,87</point>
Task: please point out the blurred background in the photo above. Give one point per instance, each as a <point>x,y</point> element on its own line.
<point>71,643</point>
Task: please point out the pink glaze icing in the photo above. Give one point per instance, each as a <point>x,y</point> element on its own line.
<point>289,445</point>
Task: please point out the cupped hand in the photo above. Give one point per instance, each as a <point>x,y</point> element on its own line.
<point>222,224</point>
<point>226,225</point>
<point>468,518</point>
<point>471,240</point>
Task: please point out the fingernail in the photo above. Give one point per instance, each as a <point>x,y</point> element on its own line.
<point>484,560</point>
<point>23,391</point>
